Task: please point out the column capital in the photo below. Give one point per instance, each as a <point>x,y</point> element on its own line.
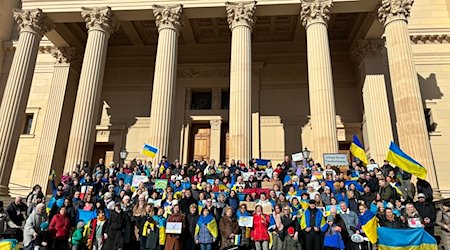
<point>101,19</point>
<point>368,47</point>
<point>241,14</point>
<point>32,21</point>
<point>215,123</point>
<point>315,11</point>
<point>168,16</point>
<point>66,55</point>
<point>391,10</point>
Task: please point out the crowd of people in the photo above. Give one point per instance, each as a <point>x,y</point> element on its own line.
<point>204,205</point>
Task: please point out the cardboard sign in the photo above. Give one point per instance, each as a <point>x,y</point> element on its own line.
<point>269,184</point>
<point>371,167</point>
<point>246,175</point>
<point>250,205</point>
<point>267,209</point>
<point>414,223</point>
<point>160,184</point>
<point>335,159</point>
<point>137,179</point>
<point>297,157</point>
<point>246,221</point>
<point>173,227</point>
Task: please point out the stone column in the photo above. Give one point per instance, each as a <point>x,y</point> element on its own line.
<point>32,24</point>
<point>315,16</point>
<point>214,149</point>
<point>168,21</point>
<point>100,23</point>
<point>241,20</point>
<point>411,127</point>
<point>61,100</point>
<point>368,56</point>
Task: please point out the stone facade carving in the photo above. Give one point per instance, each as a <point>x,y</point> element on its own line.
<point>430,38</point>
<point>363,48</point>
<point>241,13</point>
<point>32,20</point>
<point>197,72</point>
<point>215,124</point>
<point>315,11</point>
<point>394,9</point>
<point>168,17</point>
<point>100,19</point>
<point>67,55</point>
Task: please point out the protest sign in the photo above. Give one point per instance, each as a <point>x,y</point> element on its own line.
<point>250,205</point>
<point>269,184</point>
<point>137,179</point>
<point>246,221</point>
<point>246,175</point>
<point>297,157</point>
<point>335,159</point>
<point>173,227</point>
<point>160,184</point>
<point>371,167</point>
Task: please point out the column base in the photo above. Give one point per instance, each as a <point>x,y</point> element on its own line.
<point>437,195</point>
<point>4,191</point>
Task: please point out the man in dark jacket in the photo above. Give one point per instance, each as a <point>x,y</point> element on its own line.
<point>391,220</point>
<point>17,210</point>
<point>115,228</point>
<point>186,201</point>
<point>427,211</point>
<point>368,196</point>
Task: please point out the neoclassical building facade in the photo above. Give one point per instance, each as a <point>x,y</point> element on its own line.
<point>83,80</point>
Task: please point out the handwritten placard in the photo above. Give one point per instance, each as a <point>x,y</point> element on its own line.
<point>371,167</point>
<point>250,205</point>
<point>267,209</point>
<point>297,157</point>
<point>335,159</point>
<point>173,227</point>
<point>269,184</point>
<point>137,179</point>
<point>160,184</point>
<point>246,221</point>
<point>246,175</point>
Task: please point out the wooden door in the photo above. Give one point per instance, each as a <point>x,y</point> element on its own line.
<point>201,140</point>
<point>100,151</point>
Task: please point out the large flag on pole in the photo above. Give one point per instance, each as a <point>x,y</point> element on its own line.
<point>357,150</point>
<point>149,151</point>
<point>405,162</point>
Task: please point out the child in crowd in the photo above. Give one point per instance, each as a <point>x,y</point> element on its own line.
<point>77,236</point>
<point>43,239</point>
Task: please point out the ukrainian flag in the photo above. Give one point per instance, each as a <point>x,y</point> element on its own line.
<point>369,224</point>
<point>405,162</point>
<point>357,150</point>
<point>402,239</point>
<point>149,151</point>
<point>262,163</point>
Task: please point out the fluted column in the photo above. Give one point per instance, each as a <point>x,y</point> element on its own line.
<point>315,15</point>
<point>61,100</point>
<point>214,150</point>
<point>241,21</point>
<point>411,127</point>
<point>33,24</point>
<point>369,57</point>
<point>100,23</point>
<point>168,22</point>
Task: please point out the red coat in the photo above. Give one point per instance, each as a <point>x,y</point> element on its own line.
<point>260,227</point>
<point>60,226</point>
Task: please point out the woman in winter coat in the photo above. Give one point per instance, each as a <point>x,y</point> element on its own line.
<point>206,231</point>
<point>115,229</point>
<point>443,220</point>
<point>60,230</point>
<point>229,227</point>
<point>98,235</point>
<point>174,241</point>
<point>191,222</point>
<point>259,231</point>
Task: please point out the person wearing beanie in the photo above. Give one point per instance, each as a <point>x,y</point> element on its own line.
<point>77,236</point>
<point>43,238</point>
<point>291,239</point>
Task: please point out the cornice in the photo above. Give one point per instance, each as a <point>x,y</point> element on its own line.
<point>430,38</point>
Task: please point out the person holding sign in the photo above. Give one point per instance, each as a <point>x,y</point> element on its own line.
<point>173,240</point>
<point>259,232</point>
<point>206,231</point>
<point>229,229</point>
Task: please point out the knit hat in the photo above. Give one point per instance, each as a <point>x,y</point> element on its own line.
<point>291,230</point>
<point>330,218</point>
<point>44,225</point>
<point>80,224</point>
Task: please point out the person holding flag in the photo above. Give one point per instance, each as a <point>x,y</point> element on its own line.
<point>369,223</point>
<point>311,222</point>
<point>358,150</point>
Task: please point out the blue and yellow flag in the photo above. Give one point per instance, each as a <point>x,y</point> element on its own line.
<point>402,239</point>
<point>357,150</point>
<point>369,224</point>
<point>149,151</point>
<point>210,224</point>
<point>262,163</point>
<point>405,162</point>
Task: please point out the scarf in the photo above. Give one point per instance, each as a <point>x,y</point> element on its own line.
<point>101,217</point>
<point>204,220</point>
